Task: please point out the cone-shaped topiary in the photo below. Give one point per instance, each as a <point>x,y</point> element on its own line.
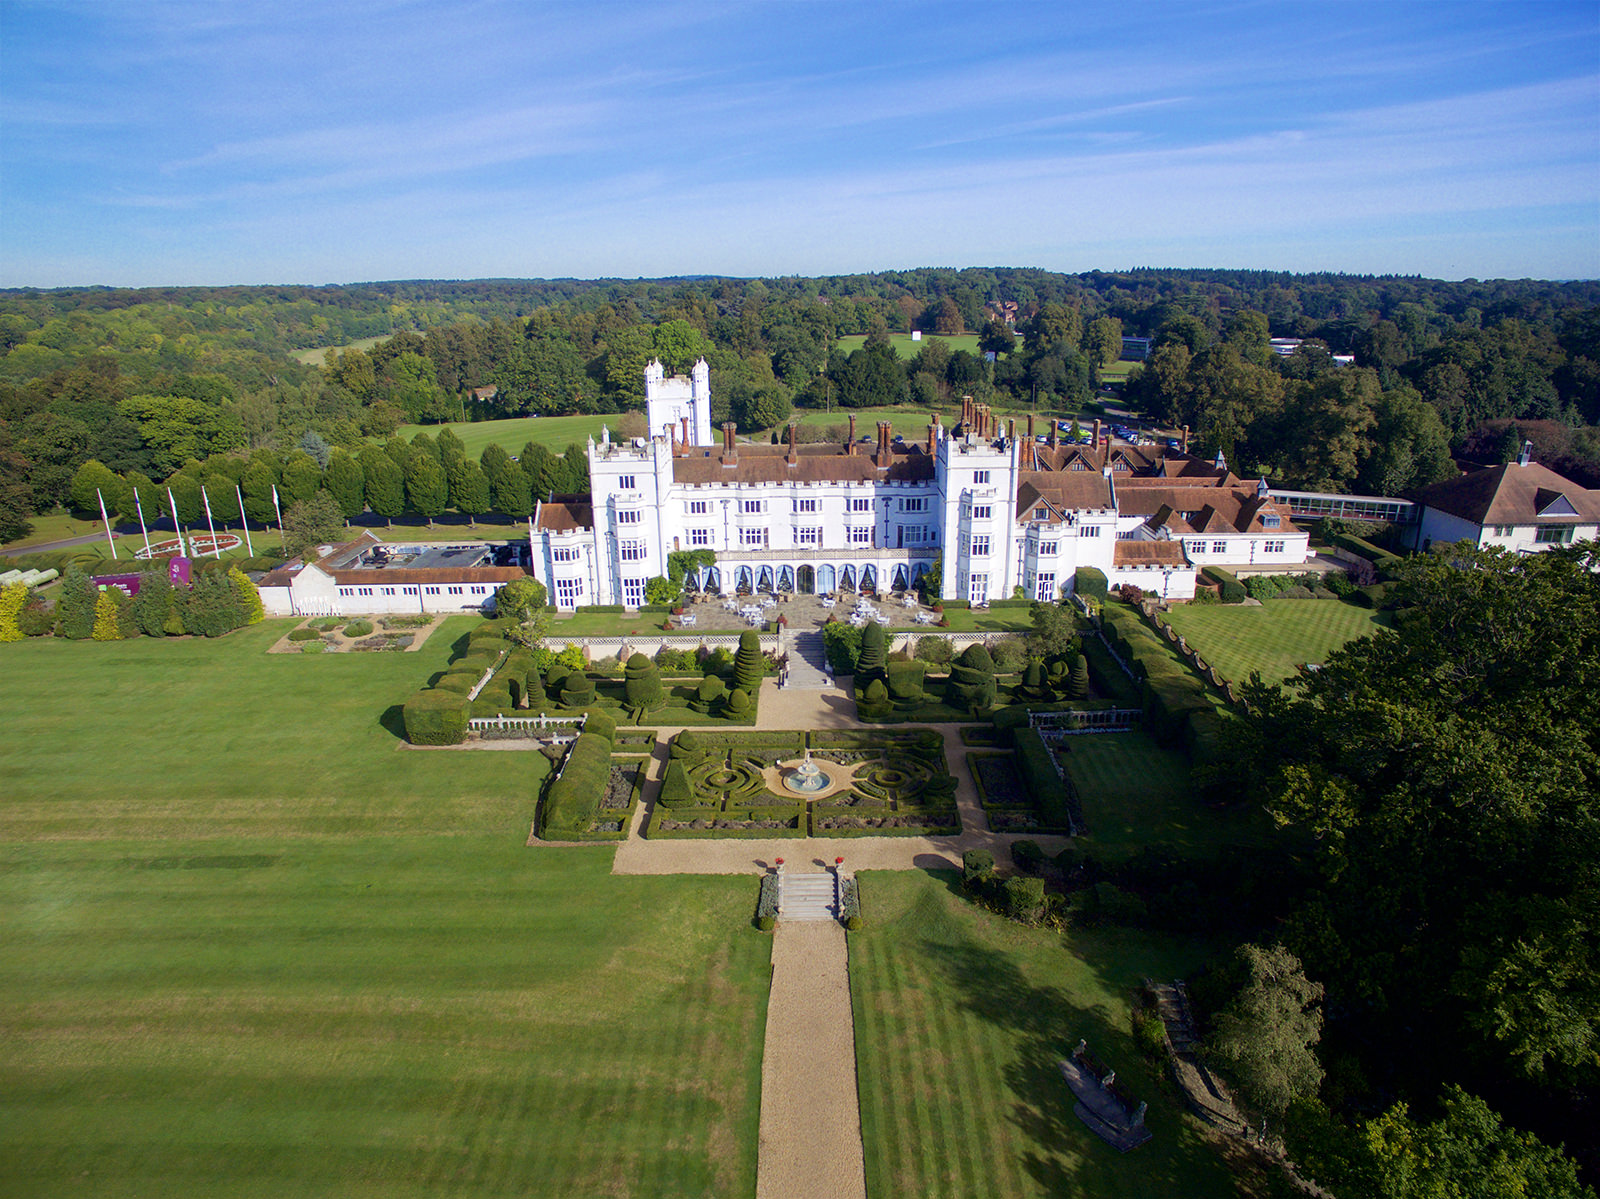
<point>1078,686</point>
<point>747,669</point>
<point>675,789</point>
<point>870,663</point>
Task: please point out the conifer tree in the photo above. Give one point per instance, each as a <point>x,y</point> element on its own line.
<point>75,606</point>
<point>105,618</point>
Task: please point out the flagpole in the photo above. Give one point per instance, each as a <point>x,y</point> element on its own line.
<point>109,539</point>
<point>139,504</point>
<point>216,550</point>
<point>244,520</point>
<point>277,509</point>
<point>183,550</point>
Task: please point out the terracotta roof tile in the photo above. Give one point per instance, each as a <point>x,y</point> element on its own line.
<point>1511,495</point>
<point>1149,553</point>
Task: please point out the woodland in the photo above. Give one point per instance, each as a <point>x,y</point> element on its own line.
<point>161,380</point>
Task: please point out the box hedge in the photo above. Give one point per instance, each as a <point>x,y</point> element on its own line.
<point>600,723</point>
<point>1233,591</point>
<point>1089,583</point>
<point>435,718</point>
<point>1036,764</point>
<point>574,798</point>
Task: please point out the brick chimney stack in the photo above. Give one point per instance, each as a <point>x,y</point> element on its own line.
<point>729,456</point>
<point>1097,432</point>
<point>1030,427</point>
<point>850,444</point>
<point>884,431</point>
<point>791,457</point>
<point>683,438</point>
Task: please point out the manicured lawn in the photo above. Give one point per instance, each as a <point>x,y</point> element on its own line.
<point>1136,793</point>
<point>1276,637</point>
<point>59,526</point>
<point>255,947</point>
<point>961,1017</point>
<point>381,1016</point>
<point>987,620</point>
<point>197,738</point>
<point>908,349</point>
<point>555,433</point>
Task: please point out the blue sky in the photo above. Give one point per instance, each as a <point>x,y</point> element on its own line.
<point>286,142</point>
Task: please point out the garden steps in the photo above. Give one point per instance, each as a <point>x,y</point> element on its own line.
<point>807,897</point>
<point>806,661</point>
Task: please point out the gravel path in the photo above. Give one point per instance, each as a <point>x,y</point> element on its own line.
<point>810,1117</point>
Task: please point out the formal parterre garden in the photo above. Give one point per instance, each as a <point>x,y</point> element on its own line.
<point>717,785</point>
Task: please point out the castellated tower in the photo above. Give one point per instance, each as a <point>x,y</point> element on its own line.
<point>674,400</point>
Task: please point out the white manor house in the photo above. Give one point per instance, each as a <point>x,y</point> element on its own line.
<point>998,509</point>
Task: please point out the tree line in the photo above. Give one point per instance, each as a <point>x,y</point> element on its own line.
<point>145,380</point>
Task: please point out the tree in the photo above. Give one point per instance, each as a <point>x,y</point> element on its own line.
<point>75,604</point>
<point>427,493</point>
<point>1055,630</point>
<point>679,345</point>
<point>510,490</point>
<point>251,608</point>
<point>1104,341</point>
<point>1267,1033</point>
<point>105,617</point>
<point>765,408</point>
<point>662,590</point>
<point>1468,1153</point>
<point>997,338</point>
<point>385,486</point>
<point>153,605</point>
<point>346,483</point>
<point>92,481</point>
<point>1446,769</point>
<point>471,495</point>
<point>316,447</point>
<point>310,523</point>
<point>301,478</point>
<point>520,599</point>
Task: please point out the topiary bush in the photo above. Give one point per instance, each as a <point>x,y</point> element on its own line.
<point>358,628</point>
<point>687,746</point>
<point>709,694</point>
<point>1024,899</point>
<point>597,722</point>
<point>642,685</point>
<point>435,718</point>
<point>574,798</point>
<point>1090,583</point>
<point>676,791</point>
<point>747,664</point>
<point>739,702</point>
<point>977,867</point>
<point>577,690</point>
<point>1026,856</point>
<point>304,635</point>
<point>1233,591</point>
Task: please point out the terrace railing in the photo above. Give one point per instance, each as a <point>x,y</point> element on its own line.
<point>1109,720</point>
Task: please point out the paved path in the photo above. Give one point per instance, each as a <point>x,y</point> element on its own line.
<point>810,1144</point>
<point>830,708</point>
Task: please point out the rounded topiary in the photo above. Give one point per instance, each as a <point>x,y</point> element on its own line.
<point>738,701</point>
<point>766,923</point>
<point>687,745</point>
<point>977,657</point>
<point>710,693</point>
<point>853,923</point>
<point>876,692</point>
<point>358,628</point>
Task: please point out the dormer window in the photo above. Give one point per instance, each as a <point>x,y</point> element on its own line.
<point>1270,521</point>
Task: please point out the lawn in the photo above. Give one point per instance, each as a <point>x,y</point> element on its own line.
<point>383,1016</point>
<point>59,526</point>
<point>1136,793</point>
<point>961,1017</point>
<point>256,947</point>
<point>316,357</point>
<point>1274,638</point>
<point>197,738</point>
<point>555,433</point>
<point>908,349</point>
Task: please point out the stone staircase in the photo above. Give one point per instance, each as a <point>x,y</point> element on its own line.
<point>806,661</point>
<point>807,896</point>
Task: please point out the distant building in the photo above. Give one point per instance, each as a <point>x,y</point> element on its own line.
<point>1521,506</point>
<point>1137,349</point>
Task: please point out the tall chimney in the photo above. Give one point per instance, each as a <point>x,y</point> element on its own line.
<point>884,428</point>
<point>1097,432</point>
<point>850,446</point>
<point>729,457</point>
<point>1030,426</point>
<point>1185,442</point>
<point>791,446</point>
<point>933,435</point>
<point>1053,424</point>
<point>1011,429</point>
<point>683,422</point>
<point>672,438</point>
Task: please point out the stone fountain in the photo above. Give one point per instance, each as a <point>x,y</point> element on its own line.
<point>807,778</point>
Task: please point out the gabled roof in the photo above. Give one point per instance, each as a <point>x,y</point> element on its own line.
<point>1074,491</point>
<point>1514,495</point>
<point>1204,509</point>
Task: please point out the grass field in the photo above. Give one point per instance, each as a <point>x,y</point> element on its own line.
<point>318,356</point>
<point>555,433</point>
<point>961,1017</point>
<point>1276,637</point>
<point>253,947</point>
<point>196,738</point>
<point>908,349</point>
<point>1136,793</point>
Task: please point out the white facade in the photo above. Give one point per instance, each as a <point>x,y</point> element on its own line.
<point>996,513</point>
<point>677,407</point>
